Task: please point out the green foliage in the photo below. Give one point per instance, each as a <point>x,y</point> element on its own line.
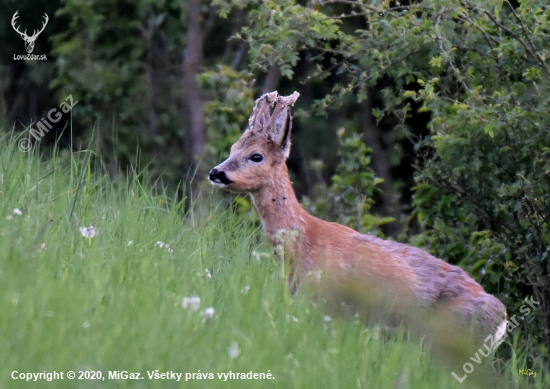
<point>231,101</point>
<point>282,28</point>
<point>96,64</point>
<point>117,62</point>
<point>353,184</point>
<point>484,198</point>
<point>226,113</point>
<point>350,197</point>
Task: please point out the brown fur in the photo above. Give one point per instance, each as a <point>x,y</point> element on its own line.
<point>406,274</point>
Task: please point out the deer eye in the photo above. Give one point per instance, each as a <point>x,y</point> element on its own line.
<point>256,158</point>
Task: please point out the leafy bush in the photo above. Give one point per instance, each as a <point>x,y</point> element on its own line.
<point>350,196</point>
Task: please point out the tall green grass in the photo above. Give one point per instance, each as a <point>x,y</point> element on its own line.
<point>114,302</point>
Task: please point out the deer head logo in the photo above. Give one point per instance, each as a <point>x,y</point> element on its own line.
<point>29,40</point>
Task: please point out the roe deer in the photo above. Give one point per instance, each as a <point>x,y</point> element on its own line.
<point>257,164</point>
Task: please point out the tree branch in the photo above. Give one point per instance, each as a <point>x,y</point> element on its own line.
<point>446,55</point>
<point>536,52</point>
<point>487,37</point>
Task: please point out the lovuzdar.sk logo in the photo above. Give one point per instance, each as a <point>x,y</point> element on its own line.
<point>29,40</point>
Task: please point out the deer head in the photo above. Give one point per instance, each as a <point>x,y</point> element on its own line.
<point>262,149</point>
<point>29,40</point>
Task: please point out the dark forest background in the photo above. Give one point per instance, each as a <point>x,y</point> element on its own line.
<point>425,122</point>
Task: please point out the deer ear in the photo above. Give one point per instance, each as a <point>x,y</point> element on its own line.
<point>281,130</point>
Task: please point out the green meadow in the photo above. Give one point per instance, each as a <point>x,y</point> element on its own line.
<point>107,302</point>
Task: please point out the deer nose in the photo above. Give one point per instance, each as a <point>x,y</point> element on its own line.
<point>219,177</point>
<point>214,175</point>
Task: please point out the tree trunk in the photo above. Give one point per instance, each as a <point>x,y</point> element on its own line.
<point>191,67</point>
<point>543,295</point>
<point>546,314</point>
<point>148,35</point>
<point>272,79</point>
<point>381,166</point>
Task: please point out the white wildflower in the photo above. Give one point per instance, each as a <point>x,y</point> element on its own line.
<point>131,242</point>
<point>208,313</point>
<point>234,350</point>
<point>293,359</point>
<point>375,332</point>
<point>42,246</point>
<point>207,273</point>
<point>192,303</point>
<point>163,245</point>
<point>291,317</point>
<point>88,232</point>
<point>17,211</point>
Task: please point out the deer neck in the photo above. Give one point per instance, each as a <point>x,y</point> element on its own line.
<point>279,208</point>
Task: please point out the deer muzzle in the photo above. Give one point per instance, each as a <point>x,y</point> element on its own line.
<point>218,178</point>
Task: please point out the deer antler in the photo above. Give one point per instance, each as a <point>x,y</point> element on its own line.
<point>282,103</point>
<point>288,100</point>
<point>15,16</point>
<point>260,113</point>
<point>34,35</point>
<point>262,117</point>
